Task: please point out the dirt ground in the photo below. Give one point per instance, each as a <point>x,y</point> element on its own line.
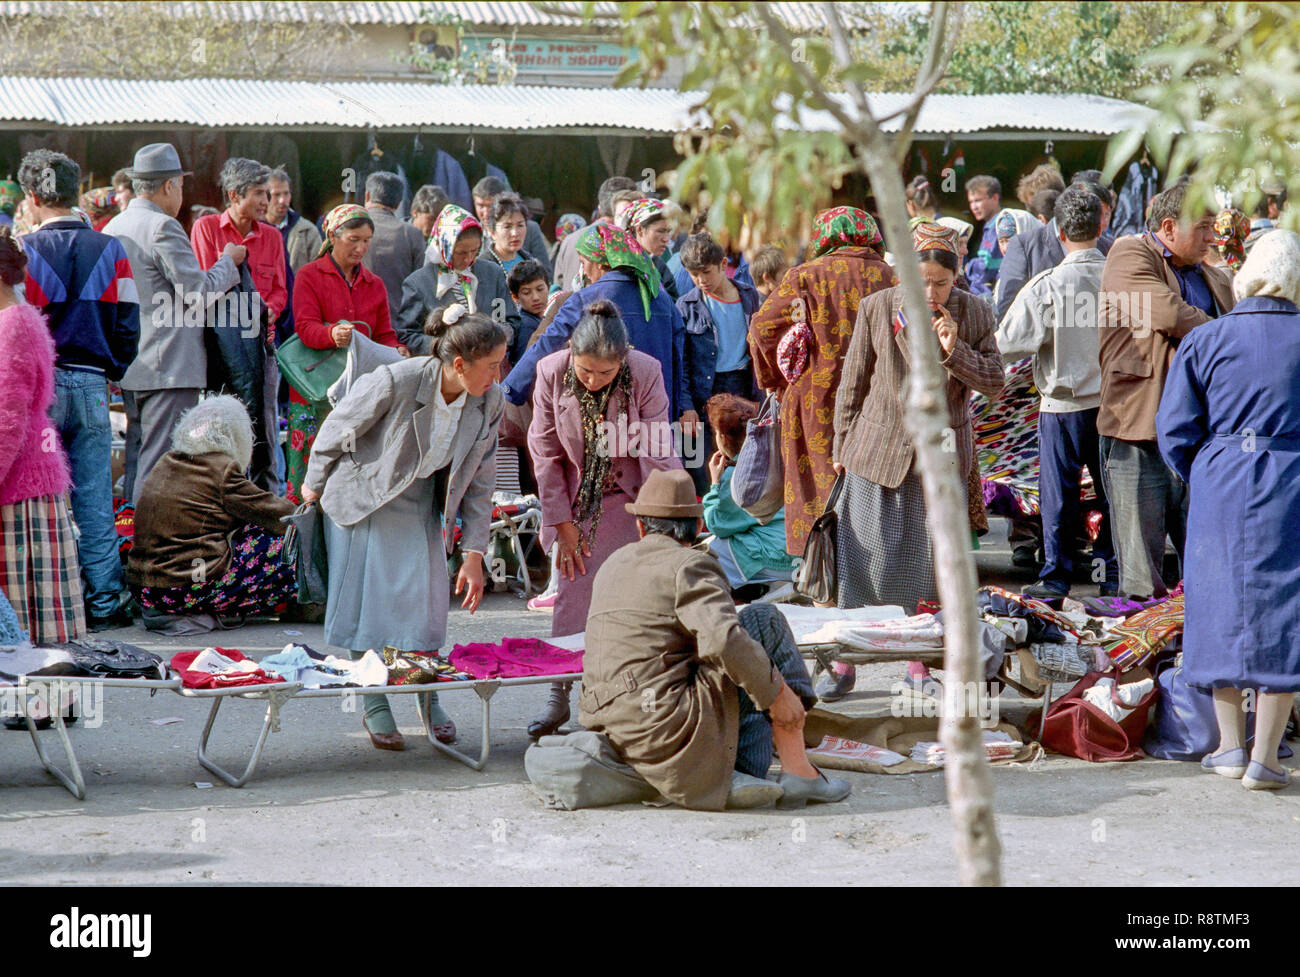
<point>326,808</point>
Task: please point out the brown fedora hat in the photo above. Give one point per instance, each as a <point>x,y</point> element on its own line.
<point>667,495</point>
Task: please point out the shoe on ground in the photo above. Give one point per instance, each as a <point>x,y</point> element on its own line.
<point>799,791</point>
<point>1044,591</point>
<point>834,686</point>
<point>545,603</point>
<point>120,618</point>
<point>555,716</point>
<point>747,792</point>
<point>926,686</point>
<point>1024,557</point>
<point>1260,777</point>
<point>1229,763</point>
<point>394,741</point>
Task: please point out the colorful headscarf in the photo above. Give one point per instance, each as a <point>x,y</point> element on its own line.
<point>99,203</point>
<point>11,194</point>
<point>844,227</point>
<point>643,212</point>
<point>609,246</point>
<point>451,224</point>
<point>1231,228</point>
<point>933,236</point>
<point>335,219</point>
<point>1011,222</point>
<point>567,224</point>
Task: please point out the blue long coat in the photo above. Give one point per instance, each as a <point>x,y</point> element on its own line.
<point>1229,424</point>
<point>662,336</point>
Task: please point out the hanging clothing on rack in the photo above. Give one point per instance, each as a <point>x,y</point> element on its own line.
<point>1142,183</point>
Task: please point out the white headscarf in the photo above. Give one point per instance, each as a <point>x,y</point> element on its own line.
<point>1271,268</point>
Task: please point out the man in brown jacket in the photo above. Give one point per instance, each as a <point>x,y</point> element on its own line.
<point>691,694</point>
<point>1154,291</point>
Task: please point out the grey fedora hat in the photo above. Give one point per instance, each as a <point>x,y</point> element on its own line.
<point>157,161</point>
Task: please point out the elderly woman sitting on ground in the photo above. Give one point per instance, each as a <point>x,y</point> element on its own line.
<point>207,540</point>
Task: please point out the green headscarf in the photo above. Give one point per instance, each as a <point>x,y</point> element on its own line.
<point>609,246</point>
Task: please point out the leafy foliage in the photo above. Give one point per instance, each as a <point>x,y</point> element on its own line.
<point>1234,95</point>
<point>150,40</point>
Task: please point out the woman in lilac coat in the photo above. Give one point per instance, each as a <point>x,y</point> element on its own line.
<point>600,427</point>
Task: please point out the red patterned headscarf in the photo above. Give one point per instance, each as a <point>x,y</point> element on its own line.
<point>844,227</point>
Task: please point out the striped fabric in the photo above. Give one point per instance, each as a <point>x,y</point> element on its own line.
<point>1144,635</point>
<point>39,571</point>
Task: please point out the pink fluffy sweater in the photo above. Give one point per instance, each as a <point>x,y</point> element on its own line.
<point>32,461</point>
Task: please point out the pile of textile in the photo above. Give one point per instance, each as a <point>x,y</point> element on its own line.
<point>299,663</point>
<point>516,658</point>
<point>219,668</point>
<point>1066,639</point>
<point>88,658</point>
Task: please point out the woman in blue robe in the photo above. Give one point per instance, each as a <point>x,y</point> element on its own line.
<point>1229,425</point>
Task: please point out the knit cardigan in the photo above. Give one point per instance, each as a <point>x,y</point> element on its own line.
<point>32,460</point>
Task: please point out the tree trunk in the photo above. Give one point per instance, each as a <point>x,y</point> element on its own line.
<point>970,786</point>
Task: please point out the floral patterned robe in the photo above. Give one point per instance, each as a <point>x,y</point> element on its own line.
<point>827,290</point>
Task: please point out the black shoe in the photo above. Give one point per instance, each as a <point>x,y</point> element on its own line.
<point>1024,556</point>
<point>120,618</point>
<point>1044,591</point>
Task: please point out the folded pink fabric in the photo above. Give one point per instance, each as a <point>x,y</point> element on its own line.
<point>515,658</point>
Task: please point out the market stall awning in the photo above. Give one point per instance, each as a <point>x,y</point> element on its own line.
<point>215,103</point>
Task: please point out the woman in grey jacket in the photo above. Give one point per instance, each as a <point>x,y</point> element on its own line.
<point>407,442</point>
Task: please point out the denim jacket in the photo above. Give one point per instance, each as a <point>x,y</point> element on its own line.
<point>702,339</point>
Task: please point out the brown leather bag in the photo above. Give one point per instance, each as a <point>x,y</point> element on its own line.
<point>816,577</point>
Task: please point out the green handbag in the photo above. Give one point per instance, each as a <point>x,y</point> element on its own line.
<point>311,372</point>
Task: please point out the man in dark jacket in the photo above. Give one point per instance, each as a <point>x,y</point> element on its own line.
<point>397,248</point>
<point>82,281</point>
<point>1040,250</point>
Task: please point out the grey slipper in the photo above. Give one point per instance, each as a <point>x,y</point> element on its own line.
<point>1229,763</point>
<point>834,687</point>
<point>747,792</point>
<point>1260,777</point>
<point>815,790</point>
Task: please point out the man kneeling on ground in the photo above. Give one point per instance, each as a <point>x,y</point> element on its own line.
<point>693,695</point>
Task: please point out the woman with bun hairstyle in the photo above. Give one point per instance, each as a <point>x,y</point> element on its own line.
<point>409,442</point>
<point>600,426</point>
<point>39,571</point>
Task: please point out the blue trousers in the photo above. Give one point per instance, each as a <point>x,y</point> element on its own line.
<point>80,413</point>
<point>1066,444</point>
<point>768,626</point>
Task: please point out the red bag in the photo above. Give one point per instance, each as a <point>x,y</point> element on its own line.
<point>1077,728</point>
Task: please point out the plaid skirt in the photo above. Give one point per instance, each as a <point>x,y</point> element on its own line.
<point>882,549</point>
<point>39,570</point>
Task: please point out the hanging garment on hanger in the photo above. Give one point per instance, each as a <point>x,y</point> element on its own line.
<point>1142,183</point>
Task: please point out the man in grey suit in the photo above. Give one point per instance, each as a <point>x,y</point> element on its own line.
<point>397,248</point>
<point>170,370</point>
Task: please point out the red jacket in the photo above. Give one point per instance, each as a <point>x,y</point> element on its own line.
<point>266,263</point>
<point>321,297</point>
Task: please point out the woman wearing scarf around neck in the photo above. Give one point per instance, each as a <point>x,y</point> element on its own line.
<point>883,552</point>
<point>454,273</point>
<point>798,340</point>
<point>333,296</point>
<point>616,269</point>
<point>599,428</point>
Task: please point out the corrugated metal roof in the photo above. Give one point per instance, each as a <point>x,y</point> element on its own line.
<point>222,103</point>
<point>803,16</point>
<point>229,103</point>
